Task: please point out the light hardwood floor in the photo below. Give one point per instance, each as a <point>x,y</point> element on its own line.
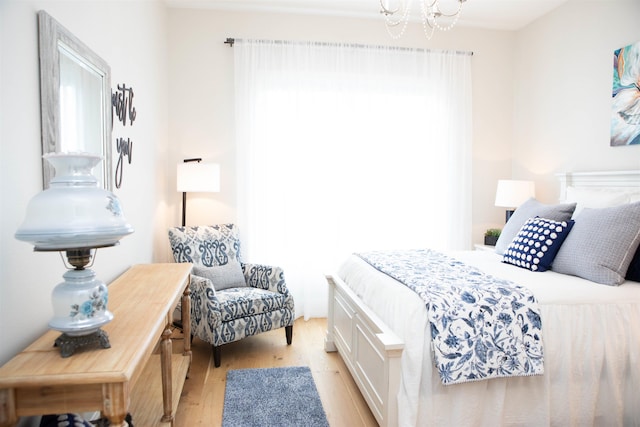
<point>201,403</point>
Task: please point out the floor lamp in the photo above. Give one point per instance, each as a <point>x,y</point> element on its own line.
<point>511,194</point>
<point>193,176</point>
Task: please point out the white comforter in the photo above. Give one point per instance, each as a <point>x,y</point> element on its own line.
<point>592,353</point>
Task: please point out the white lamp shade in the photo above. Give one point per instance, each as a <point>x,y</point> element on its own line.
<point>73,212</point>
<point>512,193</point>
<point>194,177</point>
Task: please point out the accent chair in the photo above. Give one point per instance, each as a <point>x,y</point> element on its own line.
<point>230,299</point>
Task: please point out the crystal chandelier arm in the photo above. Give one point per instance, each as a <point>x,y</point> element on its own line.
<point>390,16</point>
<point>386,11</point>
<point>431,14</point>
<point>393,20</point>
<point>450,15</point>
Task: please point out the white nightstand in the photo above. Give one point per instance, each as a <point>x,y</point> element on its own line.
<point>481,247</point>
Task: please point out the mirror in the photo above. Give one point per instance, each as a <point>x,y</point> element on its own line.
<point>75,98</point>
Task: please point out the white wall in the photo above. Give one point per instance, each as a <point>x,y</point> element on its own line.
<point>202,105</point>
<point>562,107</point>
<point>131,37</point>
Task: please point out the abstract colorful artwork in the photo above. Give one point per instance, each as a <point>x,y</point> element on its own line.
<point>625,114</point>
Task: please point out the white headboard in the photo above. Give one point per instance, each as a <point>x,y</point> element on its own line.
<point>611,180</point>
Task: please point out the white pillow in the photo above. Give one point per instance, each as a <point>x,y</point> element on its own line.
<point>595,199</point>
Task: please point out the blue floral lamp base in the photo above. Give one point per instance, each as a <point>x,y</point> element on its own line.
<point>80,309</point>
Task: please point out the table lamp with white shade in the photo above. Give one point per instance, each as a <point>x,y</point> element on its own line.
<point>512,193</point>
<point>75,216</point>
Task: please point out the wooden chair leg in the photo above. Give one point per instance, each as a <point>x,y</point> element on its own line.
<point>216,356</point>
<point>288,330</point>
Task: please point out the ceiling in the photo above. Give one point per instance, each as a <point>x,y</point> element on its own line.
<point>491,14</point>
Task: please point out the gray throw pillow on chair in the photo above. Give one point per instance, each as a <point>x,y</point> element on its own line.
<point>224,276</point>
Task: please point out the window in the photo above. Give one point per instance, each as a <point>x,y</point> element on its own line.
<point>349,148</point>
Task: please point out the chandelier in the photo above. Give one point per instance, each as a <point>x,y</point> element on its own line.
<point>397,14</point>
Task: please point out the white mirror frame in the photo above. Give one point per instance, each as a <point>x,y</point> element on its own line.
<point>52,36</point>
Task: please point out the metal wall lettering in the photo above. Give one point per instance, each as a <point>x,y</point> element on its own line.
<point>123,109</point>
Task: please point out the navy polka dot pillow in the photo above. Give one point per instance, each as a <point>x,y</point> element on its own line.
<point>537,243</point>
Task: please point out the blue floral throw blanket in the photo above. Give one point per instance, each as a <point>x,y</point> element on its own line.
<point>481,327</point>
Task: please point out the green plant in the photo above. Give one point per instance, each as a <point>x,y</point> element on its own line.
<point>493,232</point>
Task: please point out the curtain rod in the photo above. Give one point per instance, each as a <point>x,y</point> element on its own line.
<point>230,41</point>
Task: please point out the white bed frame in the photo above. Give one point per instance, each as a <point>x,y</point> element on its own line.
<point>372,351</point>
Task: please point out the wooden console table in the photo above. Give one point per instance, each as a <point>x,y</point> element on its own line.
<point>39,381</point>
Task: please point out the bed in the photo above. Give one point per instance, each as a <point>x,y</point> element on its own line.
<point>591,335</point>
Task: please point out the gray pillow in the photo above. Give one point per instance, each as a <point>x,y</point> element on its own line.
<point>224,276</point>
<point>530,209</point>
<point>601,244</point>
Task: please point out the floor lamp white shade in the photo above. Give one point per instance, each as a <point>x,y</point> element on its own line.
<point>196,177</point>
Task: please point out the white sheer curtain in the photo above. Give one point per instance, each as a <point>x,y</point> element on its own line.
<point>345,148</point>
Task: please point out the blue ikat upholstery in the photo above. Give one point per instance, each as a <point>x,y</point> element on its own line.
<point>223,316</point>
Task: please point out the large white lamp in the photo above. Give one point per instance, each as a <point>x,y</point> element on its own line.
<point>512,193</point>
<point>76,217</point>
<point>193,176</point>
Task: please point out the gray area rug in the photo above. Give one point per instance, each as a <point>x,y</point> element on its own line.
<point>272,397</point>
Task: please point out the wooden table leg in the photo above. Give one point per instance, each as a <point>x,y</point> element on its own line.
<point>116,403</point>
<point>186,321</point>
<point>8,415</point>
<point>165,366</point>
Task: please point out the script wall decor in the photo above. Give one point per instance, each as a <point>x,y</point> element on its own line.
<point>123,110</point>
